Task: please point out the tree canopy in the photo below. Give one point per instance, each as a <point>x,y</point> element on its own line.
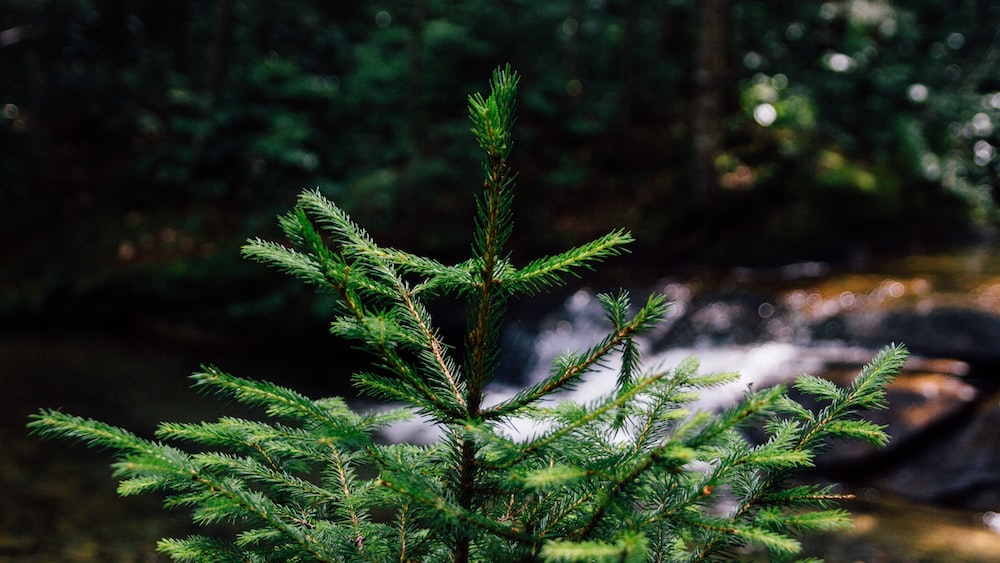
<point>715,131</point>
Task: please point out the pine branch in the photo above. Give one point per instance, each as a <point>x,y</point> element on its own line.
<point>54,424</point>
<point>547,272</point>
<point>451,511</point>
<point>492,119</point>
<point>278,401</point>
<point>867,391</point>
<point>588,416</point>
<point>570,369</point>
<point>197,549</point>
<point>358,244</point>
<point>294,263</point>
<point>631,548</point>
<point>440,365</point>
<point>627,477</point>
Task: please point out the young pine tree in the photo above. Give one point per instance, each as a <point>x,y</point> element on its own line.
<point>633,476</point>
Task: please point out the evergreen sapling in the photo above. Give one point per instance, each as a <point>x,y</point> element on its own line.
<point>636,475</point>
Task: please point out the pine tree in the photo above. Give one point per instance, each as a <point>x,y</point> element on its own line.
<point>637,475</point>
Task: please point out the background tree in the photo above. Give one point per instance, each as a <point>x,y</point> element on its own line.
<point>711,77</point>
<point>160,133</point>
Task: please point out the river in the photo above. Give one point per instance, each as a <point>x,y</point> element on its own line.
<point>59,504</point>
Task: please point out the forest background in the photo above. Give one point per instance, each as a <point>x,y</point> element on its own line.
<point>142,141</point>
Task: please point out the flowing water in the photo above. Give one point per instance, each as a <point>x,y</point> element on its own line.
<point>772,324</point>
<point>58,500</point>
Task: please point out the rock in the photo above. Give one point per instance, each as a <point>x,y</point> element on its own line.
<point>944,447</point>
<point>946,332</point>
<point>928,398</point>
<point>960,467</point>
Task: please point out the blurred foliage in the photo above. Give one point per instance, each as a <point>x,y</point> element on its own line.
<point>150,138</point>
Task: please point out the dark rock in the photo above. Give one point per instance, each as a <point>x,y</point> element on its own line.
<point>961,468</point>
<point>944,447</point>
<point>928,399</point>
<point>966,334</point>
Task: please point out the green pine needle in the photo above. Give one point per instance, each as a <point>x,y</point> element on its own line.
<point>632,476</point>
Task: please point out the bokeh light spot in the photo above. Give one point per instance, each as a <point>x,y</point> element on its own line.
<point>839,62</point>
<point>982,153</point>
<point>765,115</point>
<point>931,165</point>
<point>982,125</point>
<point>765,310</point>
<point>917,93</point>
<point>795,31</point>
